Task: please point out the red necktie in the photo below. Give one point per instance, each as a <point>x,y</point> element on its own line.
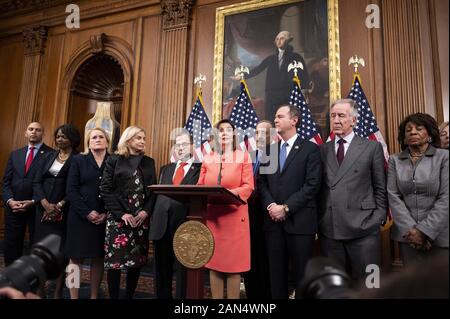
<point>29,159</point>
<point>179,174</point>
<point>340,151</point>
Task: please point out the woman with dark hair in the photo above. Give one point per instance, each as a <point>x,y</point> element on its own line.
<point>49,188</point>
<point>87,213</point>
<point>128,201</point>
<point>229,224</point>
<point>418,190</point>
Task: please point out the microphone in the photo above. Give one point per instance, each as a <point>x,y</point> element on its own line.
<point>219,177</point>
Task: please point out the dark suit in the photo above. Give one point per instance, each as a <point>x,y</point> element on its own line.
<point>297,186</point>
<point>354,204</point>
<point>52,188</point>
<point>279,80</point>
<point>167,215</point>
<point>257,285</point>
<point>19,186</point>
<point>84,238</point>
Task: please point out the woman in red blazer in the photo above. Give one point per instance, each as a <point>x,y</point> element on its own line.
<point>228,223</point>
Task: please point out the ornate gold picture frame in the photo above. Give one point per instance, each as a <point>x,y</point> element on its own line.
<point>258,9</point>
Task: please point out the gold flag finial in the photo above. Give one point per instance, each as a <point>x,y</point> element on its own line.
<point>240,71</point>
<point>356,61</point>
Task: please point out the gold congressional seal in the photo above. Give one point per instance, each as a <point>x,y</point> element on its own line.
<point>193,244</point>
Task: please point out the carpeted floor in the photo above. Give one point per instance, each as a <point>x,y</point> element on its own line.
<point>145,289</point>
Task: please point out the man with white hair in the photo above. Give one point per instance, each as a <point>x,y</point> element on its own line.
<point>278,79</point>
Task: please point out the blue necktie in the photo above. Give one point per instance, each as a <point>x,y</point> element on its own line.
<point>283,155</point>
<point>256,164</point>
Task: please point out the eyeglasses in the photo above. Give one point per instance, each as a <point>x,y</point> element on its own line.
<point>183,145</point>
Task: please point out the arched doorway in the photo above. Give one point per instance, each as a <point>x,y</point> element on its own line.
<point>98,79</point>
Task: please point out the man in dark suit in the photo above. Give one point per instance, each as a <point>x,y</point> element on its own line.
<point>354,198</point>
<point>257,285</point>
<point>18,191</point>
<point>289,182</point>
<point>278,79</point>
<point>167,215</point>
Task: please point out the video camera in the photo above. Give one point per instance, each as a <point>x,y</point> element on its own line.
<point>325,279</point>
<point>44,262</point>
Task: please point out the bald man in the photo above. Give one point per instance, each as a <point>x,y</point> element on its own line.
<point>278,79</point>
<point>18,191</point>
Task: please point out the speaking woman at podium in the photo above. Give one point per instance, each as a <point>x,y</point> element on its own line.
<point>229,224</point>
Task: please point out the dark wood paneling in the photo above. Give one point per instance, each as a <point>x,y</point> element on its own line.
<point>11,59</point>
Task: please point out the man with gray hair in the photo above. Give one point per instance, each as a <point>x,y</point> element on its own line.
<point>354,198</point>
<point>278,79</point>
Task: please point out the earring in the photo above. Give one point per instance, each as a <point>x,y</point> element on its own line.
<point>430,140</point>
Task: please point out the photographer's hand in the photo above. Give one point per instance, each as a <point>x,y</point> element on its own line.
<point>12,293</point>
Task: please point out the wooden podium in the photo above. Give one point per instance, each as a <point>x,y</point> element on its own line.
<point>197,198</point>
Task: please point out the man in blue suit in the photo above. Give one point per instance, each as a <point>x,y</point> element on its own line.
<point>18,191</point>
<point>288,191</point>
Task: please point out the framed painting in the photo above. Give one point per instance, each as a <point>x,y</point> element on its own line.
<point>266,36</point>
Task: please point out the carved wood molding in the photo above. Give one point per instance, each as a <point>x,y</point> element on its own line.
<point>97,42</point>
<point>13,7</point>
<point>34,40</point>
<point>119,50</point>
<point>176,13</point>
<point>13,21</point>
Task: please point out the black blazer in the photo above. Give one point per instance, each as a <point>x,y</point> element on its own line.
<point>83,185</point>
<point>296,186</point>
<point>45,185</point>
<point>17,184</point>
<point>116,179</point>
<point>165,206</point>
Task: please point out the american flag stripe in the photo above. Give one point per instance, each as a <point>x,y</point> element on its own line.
<point>244,119</point>
<point>199,126</point>
<point>307,129</point>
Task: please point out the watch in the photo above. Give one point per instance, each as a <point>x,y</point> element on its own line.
<point>286,208</point>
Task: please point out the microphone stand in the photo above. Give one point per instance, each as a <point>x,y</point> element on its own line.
<point>219,177</point>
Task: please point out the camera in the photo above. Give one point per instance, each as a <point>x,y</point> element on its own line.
<point>325,279</point>
<point>44,262</point>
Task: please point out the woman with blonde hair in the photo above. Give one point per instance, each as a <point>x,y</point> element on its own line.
<point>87,213</point>
<point>127,199</point>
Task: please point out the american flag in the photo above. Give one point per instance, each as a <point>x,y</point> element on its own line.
<point>308,129</point>
<point>244,119</point>
<point>199,126</point>
<point>366,126</point>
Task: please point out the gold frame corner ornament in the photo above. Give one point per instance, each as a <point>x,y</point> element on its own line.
<point>333,46</point>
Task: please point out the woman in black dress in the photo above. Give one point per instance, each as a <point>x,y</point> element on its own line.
<point>124,189</point>
<point>87,214</point>
<point>49,189</point>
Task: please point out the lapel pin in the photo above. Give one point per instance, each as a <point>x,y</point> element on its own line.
<point>42,152</point>
<point>296,147</point>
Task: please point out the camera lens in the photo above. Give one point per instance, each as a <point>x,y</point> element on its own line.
<point>28,272</point>
<point>325,279</point>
